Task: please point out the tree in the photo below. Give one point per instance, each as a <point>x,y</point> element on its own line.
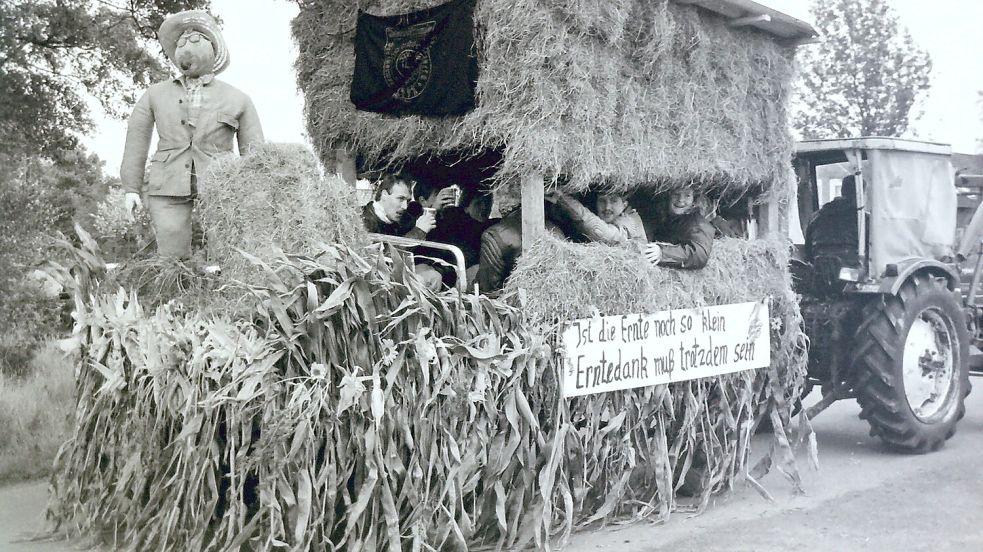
<point>56,53</point>
<point>865,75</point>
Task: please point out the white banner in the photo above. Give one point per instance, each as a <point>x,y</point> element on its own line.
<point>634,350</point>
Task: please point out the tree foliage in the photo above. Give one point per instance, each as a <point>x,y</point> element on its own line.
<point>39,196</point>
<point>55,54</point>
<point>865,75</point>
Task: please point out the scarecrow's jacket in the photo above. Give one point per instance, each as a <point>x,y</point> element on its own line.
<point>183,148</point>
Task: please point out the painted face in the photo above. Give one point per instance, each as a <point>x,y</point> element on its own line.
<point>395,201</point>
<point>194,54</point>
<point>681,201</point>
<point>610,207</point>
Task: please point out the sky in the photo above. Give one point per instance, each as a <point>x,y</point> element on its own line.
<point>262,55</point>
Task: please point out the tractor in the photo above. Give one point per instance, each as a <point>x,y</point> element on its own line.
<point>888,298</point>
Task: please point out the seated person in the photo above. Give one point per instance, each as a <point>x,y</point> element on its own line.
<point>460,226</point>
<point>833,229</point>
<point>615,222</point>
<point>681,236</point>
<point>388,213</point>
<point>501,245</point>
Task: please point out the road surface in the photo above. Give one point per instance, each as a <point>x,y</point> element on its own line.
<point>863,497</point>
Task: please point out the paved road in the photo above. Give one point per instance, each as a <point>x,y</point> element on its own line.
<point>862,498</point>
<point>21,517</point>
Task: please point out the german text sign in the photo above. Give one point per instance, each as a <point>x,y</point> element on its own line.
<point>634,350</point>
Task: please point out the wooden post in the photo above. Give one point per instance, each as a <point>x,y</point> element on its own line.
<point>770,223</point>
<point>533,212</point>
<point>345,164</point>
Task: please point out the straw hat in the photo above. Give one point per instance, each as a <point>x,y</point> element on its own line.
<point>174,26</point>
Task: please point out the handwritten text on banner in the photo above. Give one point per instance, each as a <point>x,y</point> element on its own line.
<point>634,350</point>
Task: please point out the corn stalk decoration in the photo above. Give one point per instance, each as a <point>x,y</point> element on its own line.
<point>351,409</point>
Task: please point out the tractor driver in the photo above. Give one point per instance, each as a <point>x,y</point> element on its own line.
<point>833,229</point>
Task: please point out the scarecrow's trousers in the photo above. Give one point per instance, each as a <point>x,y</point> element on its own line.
<point>171,217</point>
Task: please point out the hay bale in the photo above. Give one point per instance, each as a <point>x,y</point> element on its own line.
<point>274,199</point>
<point>632,92</point>
<point>565,280</point>
<point>161,280</point>
<point>704,423</point>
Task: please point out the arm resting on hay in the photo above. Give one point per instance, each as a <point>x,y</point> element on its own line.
<point>250,131</point>
<point>694,250</point>
<point>139,130</point>
<point>626,228</point>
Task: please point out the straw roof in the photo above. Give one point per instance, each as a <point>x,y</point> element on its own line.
<point>630,94</point>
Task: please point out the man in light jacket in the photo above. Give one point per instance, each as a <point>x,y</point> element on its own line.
<point>613,221</point>
<point>197,116</point>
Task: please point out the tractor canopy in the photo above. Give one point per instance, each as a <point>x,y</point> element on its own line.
<point>904,187</point>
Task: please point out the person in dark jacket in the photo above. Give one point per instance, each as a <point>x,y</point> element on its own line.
<point>681,237</point>
<point>461,226</point>
<point>833,229</point>
<point>501,246</point>
<point>389,212</point>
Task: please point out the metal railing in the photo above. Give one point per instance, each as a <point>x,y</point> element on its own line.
<point>409,243</point>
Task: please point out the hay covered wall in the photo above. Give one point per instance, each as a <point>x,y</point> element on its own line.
<point>626,91</point>
<point>705,424</point>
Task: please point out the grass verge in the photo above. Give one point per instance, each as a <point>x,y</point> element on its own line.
<point>35,415</point>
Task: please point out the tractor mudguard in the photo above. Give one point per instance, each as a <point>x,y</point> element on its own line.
<point>906,268</point>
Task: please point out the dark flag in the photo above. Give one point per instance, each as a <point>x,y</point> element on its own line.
<point>420,63</point>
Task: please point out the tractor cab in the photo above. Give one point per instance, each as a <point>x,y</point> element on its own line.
<point>874,210</point>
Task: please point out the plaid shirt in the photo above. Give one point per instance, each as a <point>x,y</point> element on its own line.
<point>192,87</point>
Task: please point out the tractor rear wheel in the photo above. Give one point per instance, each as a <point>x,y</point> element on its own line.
<point>911,356</point>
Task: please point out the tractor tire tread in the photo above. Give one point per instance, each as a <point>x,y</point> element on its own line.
<point>878,349</point>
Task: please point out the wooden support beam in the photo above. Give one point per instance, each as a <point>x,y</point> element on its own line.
<point>533,211</point>
<point>772,221</point>
<point>345,164</point>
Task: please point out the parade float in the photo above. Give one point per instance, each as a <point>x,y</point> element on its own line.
<point>314,395</point>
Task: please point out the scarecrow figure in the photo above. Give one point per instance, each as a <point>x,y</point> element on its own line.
<point>196,116</point>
